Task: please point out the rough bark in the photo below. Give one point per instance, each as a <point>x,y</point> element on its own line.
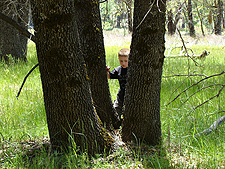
<point>142,98</point>
<point>190,19</point>
<point>11,41</point>
<point>218,18</point>
<point>91,38</point>
<point>70,114</point>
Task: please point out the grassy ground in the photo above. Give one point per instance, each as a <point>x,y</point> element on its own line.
<point>23,119</point>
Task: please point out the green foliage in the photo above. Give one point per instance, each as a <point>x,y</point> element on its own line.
<point>25,120</point>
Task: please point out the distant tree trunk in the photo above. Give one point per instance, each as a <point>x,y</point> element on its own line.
<point>11,41</point>
<point>170,26</point>
<point>172,23</point>
<point>129,15</point>
<point>190,19</point>
<point>70,114</point>
<point>91,37</point>
<point>218,17</point>
<point>142,98</point>
<point>200,18</point>
<point>118,21</point>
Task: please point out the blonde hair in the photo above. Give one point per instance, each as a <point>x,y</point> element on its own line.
<point>124,52</point>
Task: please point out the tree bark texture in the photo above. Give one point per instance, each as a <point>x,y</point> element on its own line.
<point>218,18</point>
<point>190,20</point>
<point>70,114</point>
<point>11,41</point>
<point>142,98</point>
<point>91,38</point>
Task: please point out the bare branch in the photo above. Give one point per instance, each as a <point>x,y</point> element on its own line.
<point>26,79</point>
<point>195,85</point>
<point>17,26</point>
<point>212,127</point>
<point>199,91</point>
<point>217,95</point>
<point>175,75</point>
<point>103,1</point>
<point>216,113</point>
<point>146,15</point>
<point>196,63</point>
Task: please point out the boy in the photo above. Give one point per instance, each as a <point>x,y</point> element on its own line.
<point>120,73</point>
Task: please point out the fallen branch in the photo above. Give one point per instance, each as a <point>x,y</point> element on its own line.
<point>212,127</point>
<point>201,56</point>
<point>26,79</point>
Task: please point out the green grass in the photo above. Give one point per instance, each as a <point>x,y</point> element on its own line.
<point>24,119</point>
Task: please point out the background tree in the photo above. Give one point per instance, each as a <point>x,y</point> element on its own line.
<point>117,14</point>
<point>91,39</point>
<point>129,4</point>
<point>218,17</point>
<point>190,19</point>
<point>170,25</point>
<point>142,99</point>
<point>70,113</point>
<point>11,41</point>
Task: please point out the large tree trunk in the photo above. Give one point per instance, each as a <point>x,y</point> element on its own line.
<point>218,17</point>
<point>11,41</point>
<point>190,19</point>
<point>91,37</point>
<point>70,114</point>
<point>142,98</point>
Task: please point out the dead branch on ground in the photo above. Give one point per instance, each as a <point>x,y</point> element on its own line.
<point>212,127</point>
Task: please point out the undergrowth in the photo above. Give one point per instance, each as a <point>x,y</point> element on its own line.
<point>23,121</point>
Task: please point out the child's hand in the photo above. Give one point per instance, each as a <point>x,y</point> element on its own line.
<point>107,68</point>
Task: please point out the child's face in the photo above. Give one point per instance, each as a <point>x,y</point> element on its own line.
<point>123,61</point>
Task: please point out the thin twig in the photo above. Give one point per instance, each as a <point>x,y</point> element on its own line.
<point>103,1</point>
<point>17,26</point>
<point>146,15</point>
<point>196,63</point>
<point>216,113</point>
<point>26,79</point>
<point>7,141</point>
<point>4,138</point>
<point>199,91</point>
<point>194,85</point>
<point>175,75</point>
<point>217,95</point>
